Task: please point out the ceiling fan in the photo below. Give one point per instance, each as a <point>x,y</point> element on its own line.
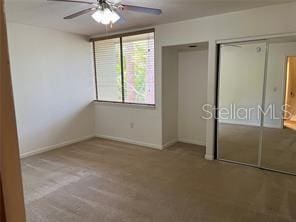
<point>108,11</point>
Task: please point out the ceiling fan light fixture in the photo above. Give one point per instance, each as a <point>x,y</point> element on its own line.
<point>114,17</point>
<point>98,16</point>
<point>105,16</point>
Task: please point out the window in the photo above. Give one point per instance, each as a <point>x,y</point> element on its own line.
<point>124,68</point>
<point>108,70</point>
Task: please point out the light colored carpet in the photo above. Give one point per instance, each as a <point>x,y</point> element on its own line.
<point>100,180</point>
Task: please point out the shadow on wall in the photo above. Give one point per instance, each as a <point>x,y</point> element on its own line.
<point>70,127</point>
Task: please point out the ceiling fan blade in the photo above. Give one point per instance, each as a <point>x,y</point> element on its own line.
<point>73,1</point>
<point>153,11</point>
<point>85,11</point>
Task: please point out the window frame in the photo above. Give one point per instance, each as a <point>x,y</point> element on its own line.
<point>120,37</point>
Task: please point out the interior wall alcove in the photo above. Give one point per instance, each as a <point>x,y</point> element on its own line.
<point>184,92</point>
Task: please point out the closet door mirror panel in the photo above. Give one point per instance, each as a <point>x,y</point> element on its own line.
<point>279,128</point>
<point>241,82</point>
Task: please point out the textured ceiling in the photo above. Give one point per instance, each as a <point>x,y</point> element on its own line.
<point>50,14</point>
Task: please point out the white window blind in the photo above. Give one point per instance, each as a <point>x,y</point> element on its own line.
<point>125,69</point>
<point>138,67</point>
<point>108,70</point>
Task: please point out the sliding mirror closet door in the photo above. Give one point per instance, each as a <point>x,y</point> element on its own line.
<point>241,83</point>
<point>279,126</point>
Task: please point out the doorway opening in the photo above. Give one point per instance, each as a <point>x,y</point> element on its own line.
<point>290,98</point>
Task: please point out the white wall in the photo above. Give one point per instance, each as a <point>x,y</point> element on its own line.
<point>128,123</point>
<point>53,86</point>
<point>170,96</point>
<point>192,95</point>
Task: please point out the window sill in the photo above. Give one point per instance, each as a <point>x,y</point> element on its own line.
<point>128,105</point>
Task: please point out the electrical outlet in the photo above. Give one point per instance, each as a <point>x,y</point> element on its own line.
<point>132,125</point>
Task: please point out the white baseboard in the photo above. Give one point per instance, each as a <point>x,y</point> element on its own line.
<point>170,143</point>
<point>124,140</point>
<point>52,147</point>
<point>199,143</point>
<point>209,157</point>
<point>134,142</point>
